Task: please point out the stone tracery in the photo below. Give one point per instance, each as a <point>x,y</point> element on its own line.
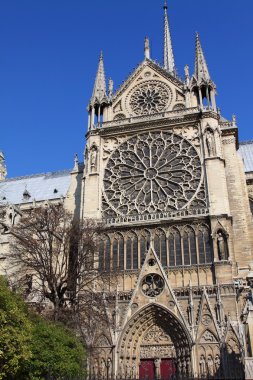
<point>149,98</point>
<point>152,172</point>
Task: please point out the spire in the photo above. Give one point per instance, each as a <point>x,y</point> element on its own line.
<point>99,90</point>
<point>168,57</point>
<point>3,170</point>
<point>201,70</point>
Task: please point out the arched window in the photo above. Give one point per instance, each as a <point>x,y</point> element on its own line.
<point>104,253</point>
<point>204,245</point>
<point>118,252</point>
<point>175,255</point>
<point>160,246</point>
<point>132,251</point>
<point>189,246</point>
<point>144,245</point>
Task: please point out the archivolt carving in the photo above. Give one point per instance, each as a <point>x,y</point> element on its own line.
<point>152,172</point>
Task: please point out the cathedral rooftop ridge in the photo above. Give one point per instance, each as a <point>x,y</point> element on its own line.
<point>54,174</point>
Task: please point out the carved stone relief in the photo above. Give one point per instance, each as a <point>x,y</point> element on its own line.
<point>110,144</point>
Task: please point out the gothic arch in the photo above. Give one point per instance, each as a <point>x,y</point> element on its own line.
<point>131,242</point>
<point>118,252</point>
<point>160,245</point>
<point>128,347</point>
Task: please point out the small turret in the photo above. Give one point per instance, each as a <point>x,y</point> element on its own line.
<point>201,82</point>
<point>3,170</point>
<point>99,97</point>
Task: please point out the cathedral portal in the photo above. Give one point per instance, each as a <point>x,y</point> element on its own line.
<point>154,344</point>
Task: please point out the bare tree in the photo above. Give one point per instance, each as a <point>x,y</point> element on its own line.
<point>60,253</point>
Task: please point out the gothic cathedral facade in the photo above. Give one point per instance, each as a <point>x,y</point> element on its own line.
<point>162,171</point>
<point>171,190</point>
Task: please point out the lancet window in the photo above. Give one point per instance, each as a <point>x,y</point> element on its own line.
<point>144,244</point>
<point>204,245</point>
<point>118,252</point>
<point>174,246</point>
<point>132,251</point>
<point>104,253</point>
<point>160,245</point>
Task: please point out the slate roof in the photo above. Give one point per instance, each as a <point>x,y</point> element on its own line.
<point>45,186</point>
<point>246,152</point>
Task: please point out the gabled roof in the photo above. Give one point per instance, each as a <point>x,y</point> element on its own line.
<point>246,152</point>
<point>153,65</point>
<point>39,187</point>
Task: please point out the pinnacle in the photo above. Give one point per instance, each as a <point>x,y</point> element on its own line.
<point>99,90</point>
<point>201,69</point>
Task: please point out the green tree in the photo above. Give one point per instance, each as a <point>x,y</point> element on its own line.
<point>15,333</point>
<point>56,352</point>
<point>32,348</point>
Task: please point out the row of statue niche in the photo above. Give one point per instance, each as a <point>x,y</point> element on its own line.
<point>91,158</point>
<point>102,369</point>
<point>127,370</point>
<point>222,245</point>
<point>209,366</point>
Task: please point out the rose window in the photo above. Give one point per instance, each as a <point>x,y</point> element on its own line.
<point>150,98</point>
<point>152,285</point>
<point>150,173</point>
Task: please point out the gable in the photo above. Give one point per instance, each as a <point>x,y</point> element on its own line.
<point>149,90</point>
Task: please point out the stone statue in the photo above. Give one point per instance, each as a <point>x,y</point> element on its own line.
<point>210,143</point>
<point>186,71</point>
<point>134,370</point>
<point>109,368</point>
<point>202,366</point>
<point>121,369</point>
<point>93,159</point>
<point>221,246</point>
<point>210,365</point>
<point>102,369</point>
<point>217,363</point>
<point>157,368</point>
<point>128,370</point>
<point>110,87</point>
<point>95,369</point>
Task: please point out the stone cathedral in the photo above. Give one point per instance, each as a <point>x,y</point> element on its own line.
<point>164,171</point>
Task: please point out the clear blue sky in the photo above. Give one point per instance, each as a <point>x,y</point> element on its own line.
<point>49,54</point>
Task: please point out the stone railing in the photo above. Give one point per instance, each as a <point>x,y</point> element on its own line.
<point>143,118</point>
<point>170,215</point>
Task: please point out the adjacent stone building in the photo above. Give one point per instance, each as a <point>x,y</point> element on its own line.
<point>166,173</point>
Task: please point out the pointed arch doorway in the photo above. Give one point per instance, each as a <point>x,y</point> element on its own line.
<point>154,345</point>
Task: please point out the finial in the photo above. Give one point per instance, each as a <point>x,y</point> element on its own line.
<point>234,120</point>
<point>3,170</point>
<point>110,87</point>
<point>75,168</point>
<point>165,5</point>
<point>146,48</point>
